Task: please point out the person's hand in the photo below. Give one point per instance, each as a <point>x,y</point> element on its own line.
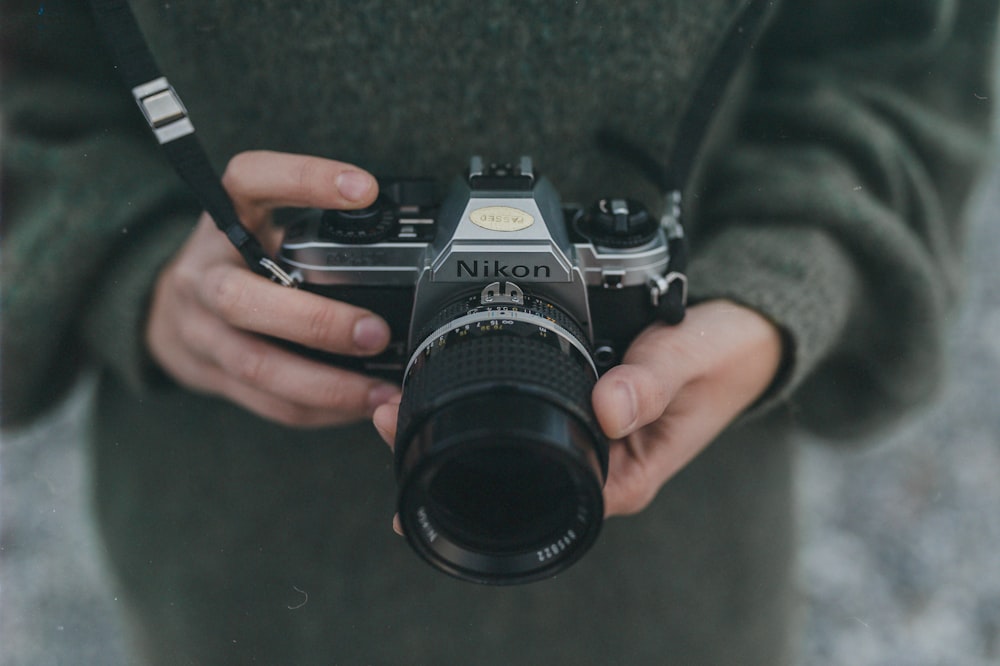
<point>676,389</point>
<point>209,313</point>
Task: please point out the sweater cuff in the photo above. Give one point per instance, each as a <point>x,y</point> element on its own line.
<point>115,321</point>
<point>799,278</point>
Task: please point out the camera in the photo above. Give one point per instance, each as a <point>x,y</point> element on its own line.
<point>505,307</point>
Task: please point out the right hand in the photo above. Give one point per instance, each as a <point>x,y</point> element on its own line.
<point>210,313</point>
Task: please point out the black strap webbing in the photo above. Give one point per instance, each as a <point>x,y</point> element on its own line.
<point>693,127</point>
<point>672,175</point>
<point>124,39</point>
<point>168,119</point>
<point>166,116</point>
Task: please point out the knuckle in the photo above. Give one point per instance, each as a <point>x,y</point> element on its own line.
<point>329,396</point>
<point>307,176</point>
<point>191,334</point>
<point>322,326</point>
<point>243,187</point>
<point>184,276</point>
<point>289,414</point>
<point>338,397</point>
<point>227,293</point>
<point>654,391</point>
<point>236,168</point>
<point>252,367</point>
<point>635,494</point>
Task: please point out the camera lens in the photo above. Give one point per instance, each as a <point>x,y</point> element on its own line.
<point>503,498</point>
<point>500,460</point>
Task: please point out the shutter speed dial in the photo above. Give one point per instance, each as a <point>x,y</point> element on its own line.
<point>372,224</point>
<point>618,223</point>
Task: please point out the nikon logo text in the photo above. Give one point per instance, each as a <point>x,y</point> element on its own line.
<point>501,218</point>
<point>490,269</point>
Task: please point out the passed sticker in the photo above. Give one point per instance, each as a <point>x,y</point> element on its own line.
<point>501,218</point>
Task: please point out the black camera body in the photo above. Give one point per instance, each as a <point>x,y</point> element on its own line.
<point>505,307</point>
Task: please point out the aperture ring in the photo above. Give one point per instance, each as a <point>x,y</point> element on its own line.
<point>507,318</point>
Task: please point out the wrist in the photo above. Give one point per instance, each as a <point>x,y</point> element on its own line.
<point>798,279</point>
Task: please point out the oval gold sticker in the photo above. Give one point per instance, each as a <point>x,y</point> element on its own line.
<point>501,218</point>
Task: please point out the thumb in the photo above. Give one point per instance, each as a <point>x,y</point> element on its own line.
<point>636,393</point>
<point>384,420</point>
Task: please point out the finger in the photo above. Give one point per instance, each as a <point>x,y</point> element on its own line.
<point>259,181</point>
<point>208,355</point>
<point>203,377</point>
<point>641,464</point>
<point>269,368</point>
<point>630,486</point>
<point>280,410</point>
<point>635,393</point>
<point>695,379</point>
<point>385,418</point>
<point>252,303</point>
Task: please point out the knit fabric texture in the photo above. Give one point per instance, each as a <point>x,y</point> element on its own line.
<point>833,205</point>
<point>828,197</point>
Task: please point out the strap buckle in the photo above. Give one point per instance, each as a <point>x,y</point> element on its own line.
<point>163,109</point>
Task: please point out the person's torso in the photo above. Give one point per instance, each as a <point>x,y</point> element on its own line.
<point>414,89</point>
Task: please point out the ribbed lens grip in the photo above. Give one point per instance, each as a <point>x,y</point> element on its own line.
<point>494,362</point>
<point>499,457</point>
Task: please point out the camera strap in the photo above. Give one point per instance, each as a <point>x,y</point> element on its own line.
<point>740,38</point>
<point>671,177</point>
<point>168,119</point>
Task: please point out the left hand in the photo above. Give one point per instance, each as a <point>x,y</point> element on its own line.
<point>677,388</point>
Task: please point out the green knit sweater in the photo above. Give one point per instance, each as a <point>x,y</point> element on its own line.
<point>830,198</point>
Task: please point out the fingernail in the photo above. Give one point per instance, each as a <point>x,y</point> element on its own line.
<point>626,408</point>
<point>371,334</point>
<point>354,185</point>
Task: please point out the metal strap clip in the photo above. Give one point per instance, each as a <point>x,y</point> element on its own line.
<point>660,286</point>
<point>278,274</point>
<point>163,109</point>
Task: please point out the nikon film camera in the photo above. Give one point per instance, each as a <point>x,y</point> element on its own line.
<point>504,308</point>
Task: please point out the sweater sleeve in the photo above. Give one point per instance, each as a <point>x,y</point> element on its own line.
<point>837,211</point>
<point>91,210</point>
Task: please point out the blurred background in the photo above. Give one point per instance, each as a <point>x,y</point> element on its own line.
<point>900,539</point>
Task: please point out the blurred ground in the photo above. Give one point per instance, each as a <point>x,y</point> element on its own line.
<point>899,541</point>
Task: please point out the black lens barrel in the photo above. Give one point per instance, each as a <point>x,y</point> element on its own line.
<point>501,488</point>
<point>499,457</point>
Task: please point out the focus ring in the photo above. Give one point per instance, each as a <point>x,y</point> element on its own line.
<point>495,362</point>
